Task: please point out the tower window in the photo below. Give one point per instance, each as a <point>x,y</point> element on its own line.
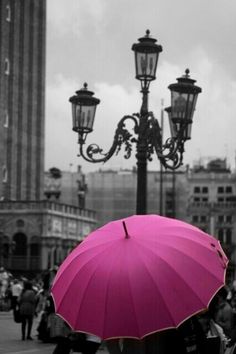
<point>6,119</point>
<point>7,66</point>
<point>4,174</point>
<point>8,13</point>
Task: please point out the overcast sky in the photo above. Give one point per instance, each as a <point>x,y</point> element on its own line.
<point>90,41</point>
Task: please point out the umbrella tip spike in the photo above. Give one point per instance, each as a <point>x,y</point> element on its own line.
<point>125,228</point>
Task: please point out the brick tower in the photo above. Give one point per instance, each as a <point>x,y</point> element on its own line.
<point>22,91</point>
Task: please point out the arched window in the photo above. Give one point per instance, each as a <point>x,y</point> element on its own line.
<point>55,256</point>
<point>20,248</point>
<point>35,247</point>
<point>20,223</point>
<point>49,259</point>
<point>5,247</point>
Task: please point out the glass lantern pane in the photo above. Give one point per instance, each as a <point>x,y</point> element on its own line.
<point>183,105</point>
<point>192,104</point>
<point>146,64</point>
<point>173,131</point>
<point>189,106</point>
<point>74,119</point>
<point>188,131</point>
<point>85,117</point>
<point>78,116</point>
<point>89,117</point>
<point>179,102</point>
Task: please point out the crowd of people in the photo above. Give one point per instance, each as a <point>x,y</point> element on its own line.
<point>26,298</point>
<point>29,301</point>
<point>212,331</point>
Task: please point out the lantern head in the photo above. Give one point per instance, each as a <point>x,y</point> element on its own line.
<point>146,58</point>
<point>83,110</point>
<point>184,95</point>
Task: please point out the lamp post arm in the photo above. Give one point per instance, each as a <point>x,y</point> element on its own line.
<point>171,152</point>
<point>175,150</point>
<point>122,136</point>
<point>173,160</point>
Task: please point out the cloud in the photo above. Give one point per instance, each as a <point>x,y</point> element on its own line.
<point>75,16</point>
<point>60,142</point>
<point>212,133</point>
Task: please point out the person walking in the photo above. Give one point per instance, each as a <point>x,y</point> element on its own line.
<point>224,313</point>
<point>16,290</point>
<point>27,304</point>
<point>216,340</point>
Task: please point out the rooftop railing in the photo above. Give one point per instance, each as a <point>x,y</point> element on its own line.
<point>44,205</point>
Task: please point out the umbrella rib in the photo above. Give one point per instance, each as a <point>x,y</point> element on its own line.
<point>179,276</point>
<point>185,255</point>
<point>106,302</point>
<point>150,274</point>
<point>72,261</point>
<point>97,264</point>
<point>132,297</point>
<point>74,257</point>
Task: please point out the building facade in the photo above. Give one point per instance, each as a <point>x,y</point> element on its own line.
<point>211,204</point>
<point>36,232</point>
<point>38,235</point>
<point>113,193</point>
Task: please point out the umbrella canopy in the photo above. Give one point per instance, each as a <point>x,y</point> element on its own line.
<point>138,275</point>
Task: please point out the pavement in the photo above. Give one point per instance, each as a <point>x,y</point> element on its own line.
<point>11,343</point>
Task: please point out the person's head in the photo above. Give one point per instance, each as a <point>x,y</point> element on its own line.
<point>223,293</point>
<point>219,299</point>
<point>204,319</point>
<point>233,300</point>
<point>27,285</point>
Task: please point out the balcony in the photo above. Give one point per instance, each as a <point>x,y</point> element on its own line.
<point>45,205</point>
<point>211,207</point>
<point>21,263</point>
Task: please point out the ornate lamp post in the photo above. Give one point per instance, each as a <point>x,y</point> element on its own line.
<point>147,134</point>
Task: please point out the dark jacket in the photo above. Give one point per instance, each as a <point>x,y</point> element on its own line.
<point>27,303</point>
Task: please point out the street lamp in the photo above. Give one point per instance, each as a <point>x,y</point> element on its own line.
<point>147,134</point>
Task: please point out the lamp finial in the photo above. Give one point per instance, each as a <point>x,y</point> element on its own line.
<point>187,71</point>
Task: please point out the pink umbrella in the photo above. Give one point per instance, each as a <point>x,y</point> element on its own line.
<point>138,275</point>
